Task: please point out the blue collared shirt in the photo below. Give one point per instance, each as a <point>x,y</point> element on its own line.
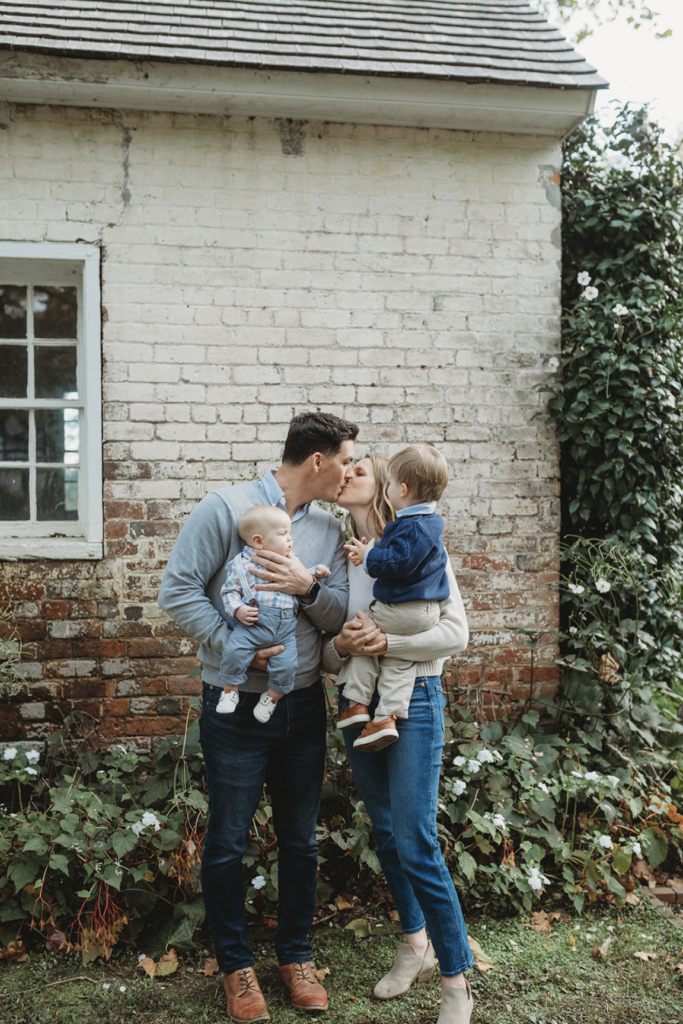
<point>276,496</point>
<point>424,509</point>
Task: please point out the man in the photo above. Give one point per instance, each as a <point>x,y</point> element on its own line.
<point>288,752</point>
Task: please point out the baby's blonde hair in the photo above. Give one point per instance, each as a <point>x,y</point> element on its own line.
<point>423,469</point>
<point>259,519</point>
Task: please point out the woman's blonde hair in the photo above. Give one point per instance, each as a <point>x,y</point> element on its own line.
<point>381,512</point>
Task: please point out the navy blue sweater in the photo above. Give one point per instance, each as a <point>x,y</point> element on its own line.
<point>409,562</point>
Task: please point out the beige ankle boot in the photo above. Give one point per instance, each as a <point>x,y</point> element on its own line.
<point>456,1005</point>
<point>407,967</point>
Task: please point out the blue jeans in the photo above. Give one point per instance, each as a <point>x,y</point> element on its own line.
<point>274,626</point>
<point>241,754</point>
<point>399,787</point>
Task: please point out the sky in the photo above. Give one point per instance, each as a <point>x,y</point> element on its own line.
<point>638,66</point>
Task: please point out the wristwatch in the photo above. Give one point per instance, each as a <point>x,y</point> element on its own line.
<point>314,589</point>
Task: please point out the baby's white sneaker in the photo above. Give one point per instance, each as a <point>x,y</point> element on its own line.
<point>228,702</point>
<point>265,708</point>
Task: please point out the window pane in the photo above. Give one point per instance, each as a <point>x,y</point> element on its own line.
<point>55,372</point>
<point>54,312</point>
<point>13,435</point>
<point>12,311</point>
<point>13,371</point>
<point>57,494</point>
<point>57,435</point>
<point>14,503</point>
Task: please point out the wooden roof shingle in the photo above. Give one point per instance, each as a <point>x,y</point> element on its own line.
<point>503,41</point>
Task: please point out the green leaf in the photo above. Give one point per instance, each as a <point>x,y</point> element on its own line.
<point>468,866</point>
<point>60,863</point>
<point>22,872</point>
<point>621,861</point>
<point>655,846</point>
<point>124,842</point>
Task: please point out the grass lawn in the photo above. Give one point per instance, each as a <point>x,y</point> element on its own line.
<point>537,978</point>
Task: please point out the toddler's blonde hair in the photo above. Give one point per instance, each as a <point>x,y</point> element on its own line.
<point>423,469</point>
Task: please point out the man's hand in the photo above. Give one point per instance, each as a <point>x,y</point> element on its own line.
<point>361,636</point>
<point>358,549</point>
<point>260,661</point>
<point>247,614</point>
<point>285,573</point>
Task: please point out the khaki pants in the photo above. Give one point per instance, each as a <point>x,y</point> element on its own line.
<point>393,677</point>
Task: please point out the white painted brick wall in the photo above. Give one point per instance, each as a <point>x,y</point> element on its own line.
<point>407,279</point>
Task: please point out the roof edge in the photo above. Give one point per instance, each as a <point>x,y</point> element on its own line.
<point>532,109</point>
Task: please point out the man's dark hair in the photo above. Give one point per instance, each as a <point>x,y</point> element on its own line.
<point>312,432</point>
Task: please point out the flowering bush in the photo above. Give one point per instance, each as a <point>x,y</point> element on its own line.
<point>617,400</point>
<point>82,853</point>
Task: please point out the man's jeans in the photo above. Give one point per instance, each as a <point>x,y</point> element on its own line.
<point>400,788</point>
<point>287,753</point>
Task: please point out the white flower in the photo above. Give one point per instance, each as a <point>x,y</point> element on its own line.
<point>537,880</point>
<point>30,771</point>
<point>473,767</point>
<point>543,787</point>
<point>578,775</point>
<point>459,787</point>
<point>605,842</point>
<point>122,988</point>
<point>499,821</point>
<point>459,761</point>
<point>576,588</point>
<point>590,293</point>
<point>553,364</point>
<point>497,754</point>
<point>591,776</point>
<point>141,957</point>
<point>620,310</point>
<point>32,756</point>
<point>150,819</point>
<point>573,629</point>
<point>584,278</point>
<point>106,985</point>
<point>258,882</point>
<point>485,755</point>
<point>637,849</point>
<point>10,753</point>
<point>137,827</point>
<point>603,586</point>
<point>613,779</point>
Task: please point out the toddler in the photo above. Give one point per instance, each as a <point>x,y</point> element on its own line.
<point>409,564</point>
<point>263,617</point>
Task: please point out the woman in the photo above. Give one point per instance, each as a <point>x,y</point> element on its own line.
<point>399,785</point>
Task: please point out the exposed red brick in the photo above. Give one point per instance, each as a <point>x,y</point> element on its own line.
<point>115,708</point>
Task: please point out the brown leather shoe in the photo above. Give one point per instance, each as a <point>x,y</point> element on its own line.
<point>306,993</point>
<point>377,734</point>
<point>353,715</point>
<point>245,999</point>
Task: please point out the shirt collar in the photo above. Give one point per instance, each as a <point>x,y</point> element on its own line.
<point>424,509</point>
<point>276,496</point>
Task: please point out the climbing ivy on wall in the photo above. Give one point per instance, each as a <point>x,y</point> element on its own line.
<point>617,405</point>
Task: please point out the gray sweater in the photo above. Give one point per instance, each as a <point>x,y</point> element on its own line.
<point>191,587</point>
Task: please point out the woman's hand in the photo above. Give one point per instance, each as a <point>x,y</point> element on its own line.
<point>361,636</point>
<point>285,573</point>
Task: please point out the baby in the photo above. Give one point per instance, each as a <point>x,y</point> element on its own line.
<point>264,617</point>
<point>409,564</point>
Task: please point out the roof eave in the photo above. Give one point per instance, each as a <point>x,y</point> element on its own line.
<point>473,102</point>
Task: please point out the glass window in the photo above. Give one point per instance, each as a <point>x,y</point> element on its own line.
<point>43,432</point>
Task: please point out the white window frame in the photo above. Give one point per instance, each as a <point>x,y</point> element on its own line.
<point>81,539</point>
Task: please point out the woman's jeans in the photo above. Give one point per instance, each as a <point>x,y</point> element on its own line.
<point>241,754</point>
<point>399,787</point>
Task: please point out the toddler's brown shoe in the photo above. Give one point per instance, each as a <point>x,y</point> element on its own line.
<point>305,991</point>
<point>353,715</point>
<point>377,734</point>
<point>245,999</point>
